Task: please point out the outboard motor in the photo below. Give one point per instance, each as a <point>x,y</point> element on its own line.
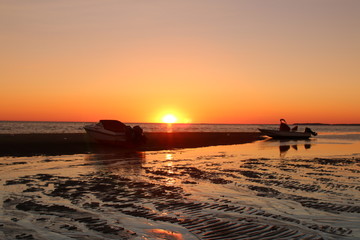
<point>310,131</point>
<point>139,135</point>
<point>129,132</point>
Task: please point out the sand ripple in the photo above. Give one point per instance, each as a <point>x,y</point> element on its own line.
<point>101,204</point>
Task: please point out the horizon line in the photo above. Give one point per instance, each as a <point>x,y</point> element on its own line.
<point>298,123</point>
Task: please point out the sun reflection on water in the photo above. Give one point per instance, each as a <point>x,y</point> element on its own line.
<point>166,234</point>
<point>169,156</point>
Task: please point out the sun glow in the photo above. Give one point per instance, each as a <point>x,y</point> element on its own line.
<point>169,118</point>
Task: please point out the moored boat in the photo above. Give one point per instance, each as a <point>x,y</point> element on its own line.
<point>285,134</point>
<point>115,132</point>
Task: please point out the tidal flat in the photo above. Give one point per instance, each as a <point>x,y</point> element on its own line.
<point>263,190</point>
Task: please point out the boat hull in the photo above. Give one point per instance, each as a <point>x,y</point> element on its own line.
<point>285,134</point>
<point>107,137</point>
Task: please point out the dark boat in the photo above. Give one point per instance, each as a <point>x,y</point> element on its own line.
<point>285,134</point>
<point>115,132</point>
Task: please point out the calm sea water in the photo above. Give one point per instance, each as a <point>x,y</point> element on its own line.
<point>328,131</point>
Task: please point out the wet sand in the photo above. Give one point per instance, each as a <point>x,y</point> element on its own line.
<point>77,143</point>
<point>218,192</point>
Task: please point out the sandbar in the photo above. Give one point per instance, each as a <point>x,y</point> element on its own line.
<point>78,143</point>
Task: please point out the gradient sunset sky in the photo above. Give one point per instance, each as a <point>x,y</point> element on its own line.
<point>205,61</point>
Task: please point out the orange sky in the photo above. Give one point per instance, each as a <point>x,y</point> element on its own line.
<point>206,61</point>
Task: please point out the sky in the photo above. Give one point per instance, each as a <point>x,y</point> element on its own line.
<point>204,61</point>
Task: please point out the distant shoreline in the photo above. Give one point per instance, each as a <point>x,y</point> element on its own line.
<point>328,124</point>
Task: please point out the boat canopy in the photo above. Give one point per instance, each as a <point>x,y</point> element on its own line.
<point>113,125</point>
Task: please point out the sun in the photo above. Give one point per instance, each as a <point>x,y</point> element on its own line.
<point>169,118</point>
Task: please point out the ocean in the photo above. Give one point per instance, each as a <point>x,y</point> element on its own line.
<point>20,127</point>
<point>14,127</point>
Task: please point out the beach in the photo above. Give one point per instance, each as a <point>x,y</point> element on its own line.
<point>254,188</point>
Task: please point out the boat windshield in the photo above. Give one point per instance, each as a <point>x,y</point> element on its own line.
<point>113,125</point>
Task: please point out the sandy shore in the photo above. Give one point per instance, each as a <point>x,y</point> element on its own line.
<point>61,144</point>
<point>212,193</point>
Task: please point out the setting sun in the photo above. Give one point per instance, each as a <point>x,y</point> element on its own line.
<point>169,118</point>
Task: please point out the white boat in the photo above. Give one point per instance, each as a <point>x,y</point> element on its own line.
<point>115,133</point>
<point>288,134</point>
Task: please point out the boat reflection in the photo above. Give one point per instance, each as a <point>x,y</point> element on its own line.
<point>285,146</point>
